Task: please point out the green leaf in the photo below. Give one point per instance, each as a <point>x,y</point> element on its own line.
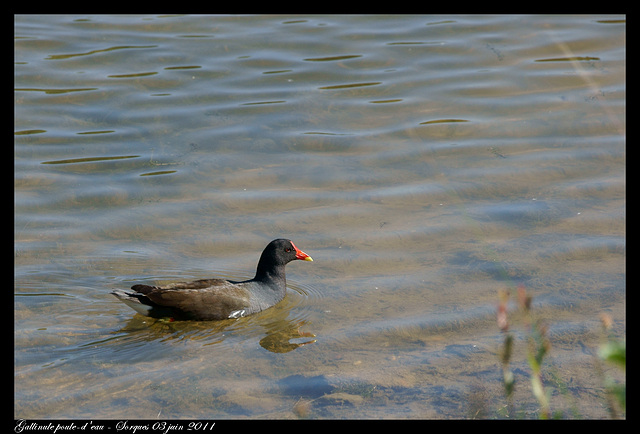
<point>614,352</point>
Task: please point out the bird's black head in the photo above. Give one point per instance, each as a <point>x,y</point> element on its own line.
<point>283,251</point>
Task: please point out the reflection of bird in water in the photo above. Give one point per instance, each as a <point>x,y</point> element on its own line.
<point>277,330</point>
<point>279,334</point>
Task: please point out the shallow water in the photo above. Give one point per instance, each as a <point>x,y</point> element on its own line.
<point>424,162</point>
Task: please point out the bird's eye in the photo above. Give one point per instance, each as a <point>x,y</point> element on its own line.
<point>287,249</point>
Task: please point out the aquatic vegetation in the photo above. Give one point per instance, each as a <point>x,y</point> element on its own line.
<point>538,346</point>
<point>614,351</point>
<point>611,351</point>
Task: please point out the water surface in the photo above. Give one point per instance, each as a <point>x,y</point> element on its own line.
<point>424,162</point>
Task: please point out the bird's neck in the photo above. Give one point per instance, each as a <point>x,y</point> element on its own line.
<point>269,272</point>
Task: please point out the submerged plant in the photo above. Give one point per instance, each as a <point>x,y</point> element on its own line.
<point>614,352</point>
<point>538,346</point>
<point>508,379</point>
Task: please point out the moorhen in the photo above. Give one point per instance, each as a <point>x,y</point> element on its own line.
<point>216,299</point>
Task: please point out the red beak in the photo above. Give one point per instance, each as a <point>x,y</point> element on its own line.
<point>301,255</point>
